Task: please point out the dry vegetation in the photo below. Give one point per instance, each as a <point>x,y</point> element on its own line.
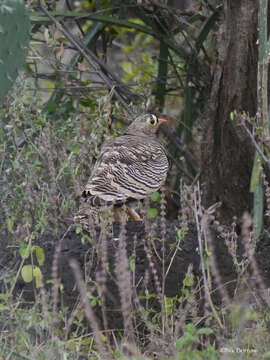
<point>206,318</point>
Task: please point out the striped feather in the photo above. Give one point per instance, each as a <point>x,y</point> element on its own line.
<point>130,166</point>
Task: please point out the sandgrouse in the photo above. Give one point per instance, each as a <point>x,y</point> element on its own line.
<point>129,167</point>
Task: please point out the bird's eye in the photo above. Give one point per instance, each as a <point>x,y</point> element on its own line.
<point>152,120</point>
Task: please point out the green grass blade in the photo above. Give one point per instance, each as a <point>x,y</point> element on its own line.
<point>258,200</point>
<point>256,187</point>
<point>208,26</point>
<point>105,19</point>
<point>40,18</point>
<point>162,74</point>
<point>191,106</point>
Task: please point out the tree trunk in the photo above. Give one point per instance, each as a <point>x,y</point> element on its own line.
<point>227,155</point>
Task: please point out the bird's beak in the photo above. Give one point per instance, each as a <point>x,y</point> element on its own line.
<point>161,120</point>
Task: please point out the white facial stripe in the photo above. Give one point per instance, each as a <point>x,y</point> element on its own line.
<point>154,117</point>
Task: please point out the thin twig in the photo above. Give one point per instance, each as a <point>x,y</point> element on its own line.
<point>255,144</point>
<point>55,273</point>
<point>90,315</point>
<point>98,65</point>
<point>198,213</point>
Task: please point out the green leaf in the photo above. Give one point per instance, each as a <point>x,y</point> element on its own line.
<point>188,280</point>
<point>155,196</point>
<point>180,342</point>
<point>86,239</point>
<point>30,272</point>
<point>127,67</point>
<point>127,49</point>
<point>146,58</point>
<point>16,164</point>
<point>152,213</point>
<point>27,273</point>
<point>10,223</point>
<point>24,250</point>
<point>181,233</point>
<point>78,229</point>
<point>205,331</point>
<point>4,297</point>
<point>75,148</point>
<point>39,254</point>
<point>190,328</point>
<point>3,307</point>
<point>38,276</point>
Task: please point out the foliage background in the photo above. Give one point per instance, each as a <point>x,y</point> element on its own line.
<point>62,108</point>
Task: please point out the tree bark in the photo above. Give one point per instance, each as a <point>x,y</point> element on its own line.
<point>227,155</point>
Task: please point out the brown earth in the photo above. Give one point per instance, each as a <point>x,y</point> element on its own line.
<point>89,260</point>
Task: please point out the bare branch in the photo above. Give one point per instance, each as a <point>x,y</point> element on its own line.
<point>256,145</point>
<point>97,64</point>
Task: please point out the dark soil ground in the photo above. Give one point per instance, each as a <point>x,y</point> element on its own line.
<point>90,261</point>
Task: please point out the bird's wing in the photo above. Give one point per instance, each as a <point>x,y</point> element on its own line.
<point>128,167</point>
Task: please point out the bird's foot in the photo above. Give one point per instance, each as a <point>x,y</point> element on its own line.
<point>133,214</point>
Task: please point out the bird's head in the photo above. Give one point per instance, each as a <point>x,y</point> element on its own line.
<point>146,124</point>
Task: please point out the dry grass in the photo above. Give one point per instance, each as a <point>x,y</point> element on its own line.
<point>43,167</point>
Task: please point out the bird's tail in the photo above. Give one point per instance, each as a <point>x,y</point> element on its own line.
<point>86,216</point>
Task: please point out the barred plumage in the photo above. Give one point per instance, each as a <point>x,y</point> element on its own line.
<point>131,166</point>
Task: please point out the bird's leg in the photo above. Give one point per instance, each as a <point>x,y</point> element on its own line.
<point>133,214</point>
<point>116,214</point>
